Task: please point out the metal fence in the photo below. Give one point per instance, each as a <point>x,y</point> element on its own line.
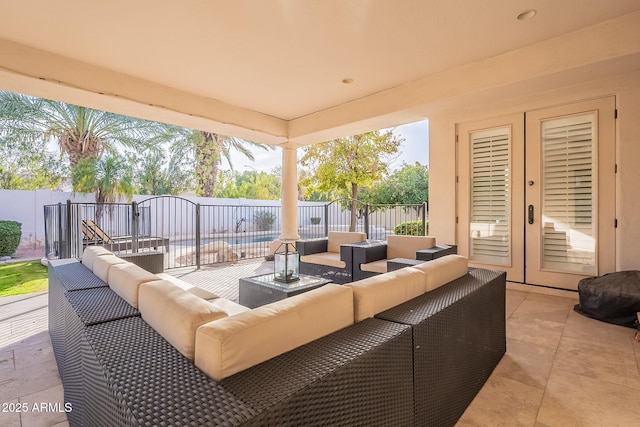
<point>376,221</point>
<point>192,234</point>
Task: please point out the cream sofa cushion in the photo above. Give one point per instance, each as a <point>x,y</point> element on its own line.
<point>196,290</point>
<point>91,252</point>
<point>125,279</point>
<point>228,306</point>
<point>443,270</point>
<point>379,293</point>
<point>379,266</point>
<point>337,238</point>
<point>175,313</point>
<point>223,304</point>
<point>235,343</point>
<point>407,246</point>
<point>103,263</point>
<point>324,258</point>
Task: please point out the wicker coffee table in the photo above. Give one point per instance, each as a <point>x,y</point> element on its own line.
<point>260,290</point>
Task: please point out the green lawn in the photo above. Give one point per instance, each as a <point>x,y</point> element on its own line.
<point>17,278</point>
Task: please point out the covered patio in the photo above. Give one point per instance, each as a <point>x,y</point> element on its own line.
<point>457,65</point>
<point>561,369</point>
<point>274,73</point>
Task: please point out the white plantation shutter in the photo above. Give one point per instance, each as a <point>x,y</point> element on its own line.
<point>568,225</point>
<point>490,196</point>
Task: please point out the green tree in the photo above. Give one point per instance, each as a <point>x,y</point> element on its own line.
<point>340,167</point>
<point>80,132</point>
<point>208,150</point>
<point>408,186</point>
<point>28,165</point>
<point>109,177</point>
<point>250,185</point>
<point>155,175</point>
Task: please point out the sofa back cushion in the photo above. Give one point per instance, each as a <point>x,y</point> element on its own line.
<point>196,290</point>
<point>443,270</point>
<point>399,246</point>
<point>379,293</point>
<point>91,252</point>
<point>337,238</point>
<point>175,313</point>
<point>102,264</point>
<point>235,343</point>
<point>125,279</point>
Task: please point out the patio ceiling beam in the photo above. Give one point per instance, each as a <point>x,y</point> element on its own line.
<point>35,72</point>
<point>40,73</point>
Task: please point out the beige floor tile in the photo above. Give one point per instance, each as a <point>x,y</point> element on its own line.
<point>22,305</point>
<point>46,408</point>
<point>533,308</point>
<point>617,365</point>
<point>544,333</point>
<point>64,424</point>
<point>532,289</point>
<point>41,337</point>
<point>553,299</point>
<point>587,329</point>
<point>6,361</point>
<point>573,400</point>
<point>28,380</point>
<point>503,402</point>
<point>513,300</point>
<point>34,354</point>
<point>527,363</point>
<point>10,413</point>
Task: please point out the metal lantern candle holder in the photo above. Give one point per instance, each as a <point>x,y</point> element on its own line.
<point>286,266</point>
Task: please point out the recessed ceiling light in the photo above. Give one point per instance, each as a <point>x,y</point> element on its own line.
<point>347,80</point>
<point>527,14</point>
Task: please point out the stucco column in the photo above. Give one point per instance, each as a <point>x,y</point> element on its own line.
<point>289,214</point>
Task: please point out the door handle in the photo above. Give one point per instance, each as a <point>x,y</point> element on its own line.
<point>530,214</point>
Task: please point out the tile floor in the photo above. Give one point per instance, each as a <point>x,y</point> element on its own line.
<point>561,369</point>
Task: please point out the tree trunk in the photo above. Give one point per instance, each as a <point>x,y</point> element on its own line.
<point>354,206</point>
<point>80,146</point>
<point>207,163</point>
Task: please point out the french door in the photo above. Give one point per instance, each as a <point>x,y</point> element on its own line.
<point>536,193</point>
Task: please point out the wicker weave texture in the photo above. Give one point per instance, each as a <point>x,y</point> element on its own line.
<point>361,375</point>
<point>99,305</point>
<point>86,307</point>
<point>65,275</point>
<point>73,275</point>
<point>459,338</point>
<point>134,377</point>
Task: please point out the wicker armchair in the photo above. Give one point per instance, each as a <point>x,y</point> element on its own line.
<point>330,257</point>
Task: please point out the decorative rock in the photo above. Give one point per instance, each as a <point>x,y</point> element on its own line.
<point>5,258</point>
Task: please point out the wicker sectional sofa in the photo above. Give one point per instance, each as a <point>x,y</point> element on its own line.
<point>416,352</point>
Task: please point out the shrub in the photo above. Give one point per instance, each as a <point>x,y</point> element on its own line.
<point>410,228</point>
<point>264,220</point>
<point>315,220</point>
<point>10,234</point>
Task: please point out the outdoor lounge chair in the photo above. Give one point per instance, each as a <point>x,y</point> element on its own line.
<point>397,252</point>
<point>330,257</point>
<point>94,235</point>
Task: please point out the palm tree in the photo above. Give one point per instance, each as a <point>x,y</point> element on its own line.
<point>208,150</point>
<point>80,132</point>
<point>109,177</point>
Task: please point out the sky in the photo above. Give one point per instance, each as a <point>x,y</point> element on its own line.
<point>415,148</point>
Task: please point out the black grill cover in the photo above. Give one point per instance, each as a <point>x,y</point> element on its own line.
<point>612,298</point>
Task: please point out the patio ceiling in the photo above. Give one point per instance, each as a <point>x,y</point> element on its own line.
<point>274,70</point>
